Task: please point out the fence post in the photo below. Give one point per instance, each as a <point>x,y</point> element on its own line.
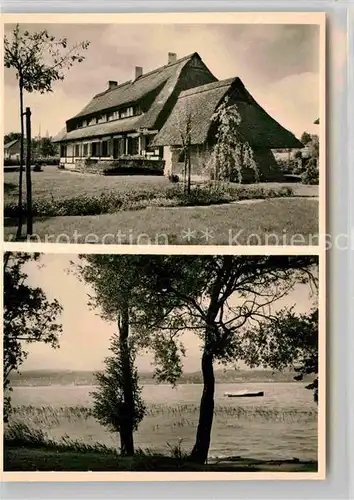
<point>28,173</point>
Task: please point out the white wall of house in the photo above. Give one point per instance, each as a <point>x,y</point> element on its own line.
<point>167,156</point>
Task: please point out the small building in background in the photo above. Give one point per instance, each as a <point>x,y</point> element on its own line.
<point>12,150</point>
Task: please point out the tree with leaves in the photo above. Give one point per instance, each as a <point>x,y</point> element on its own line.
<point>232,155</point>
<point>217,298</point>
<point>289,340</point>
<point>305,138</point>
<point>39,59</point>
<point>115,280</point>
<point>28,317</point>
<point>115,386</point>
<point>47,148</point>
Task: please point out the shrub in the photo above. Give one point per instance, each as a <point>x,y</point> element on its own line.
<point>288,166</point>
<point>173,177</point>
<point>37,167</point>
<point>311,174</point>
<point>51,160</point>
<point>110,202</point>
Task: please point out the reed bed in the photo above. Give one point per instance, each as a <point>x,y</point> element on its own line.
<point>45,416</point>
<point>248,430</point>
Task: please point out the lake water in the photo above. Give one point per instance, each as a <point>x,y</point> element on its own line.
<point>282,424</point>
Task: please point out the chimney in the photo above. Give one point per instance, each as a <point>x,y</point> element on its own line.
<point>112,84</point>
<point>138,71</point>
<point>172,57</point>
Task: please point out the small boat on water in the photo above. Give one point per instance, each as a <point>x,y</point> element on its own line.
<point>244,394</point>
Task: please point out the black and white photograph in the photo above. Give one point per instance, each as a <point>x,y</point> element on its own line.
<point>165,133</point>
<point>116,362</point>
<point>164,247</point>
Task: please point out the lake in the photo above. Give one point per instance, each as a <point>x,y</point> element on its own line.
<point>280,425</point>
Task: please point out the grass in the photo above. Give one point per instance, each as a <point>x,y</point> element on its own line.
<point>76,208</point>
<point>53,182</point>
<point>44,459</point>
<point>63,185</point>
<point>27,449</point>
<point>272,222</point>
<point>136,199</point>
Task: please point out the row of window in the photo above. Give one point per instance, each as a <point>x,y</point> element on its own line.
<point>101,149</point>
<point>107,117</point>
<point>109,147</point>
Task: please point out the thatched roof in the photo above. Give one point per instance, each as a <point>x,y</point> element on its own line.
<point>162,80</point>
<point>60,135</point>
<point>200,103</point>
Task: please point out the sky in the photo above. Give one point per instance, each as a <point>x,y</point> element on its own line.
<point>279,65</point>
<point>85,339</point>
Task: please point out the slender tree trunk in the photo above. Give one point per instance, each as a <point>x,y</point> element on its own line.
<point>185,171</point>
<point>188,170</point>
<point>206,412</point>
<point>20,208</point>
<point>126,428</point>
<point>28,173</point>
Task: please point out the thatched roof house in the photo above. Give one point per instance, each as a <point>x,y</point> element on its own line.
<point>197,107</point>
<point>138,121</point>
<point>124,118</point>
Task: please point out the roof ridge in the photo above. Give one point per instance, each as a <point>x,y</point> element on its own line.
<point>208,86</point>
<point>189,56</point>
<point>11,142</point>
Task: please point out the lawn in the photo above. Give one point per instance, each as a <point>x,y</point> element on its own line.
<point>281,221</point>
<point>269,221</point>
<point>56,183</point>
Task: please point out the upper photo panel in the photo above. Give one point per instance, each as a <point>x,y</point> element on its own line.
<point>163,134</point>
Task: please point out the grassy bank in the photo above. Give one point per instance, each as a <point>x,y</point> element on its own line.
<point>27,449</point>
<point>250,431</point>
<point>44,459</point>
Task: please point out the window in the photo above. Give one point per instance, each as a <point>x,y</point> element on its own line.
<point>181,156</point>
<point>149,148</point>
<point>62,150</point>
<point>77,150</point>
<point>104,146</point>
<point>96,149</point>
<point>85,150</point>
<point>84,123</point>
<point>133,145</point>
<point>101,119</point>
<point>125,113</point>
<point>91,121</point>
